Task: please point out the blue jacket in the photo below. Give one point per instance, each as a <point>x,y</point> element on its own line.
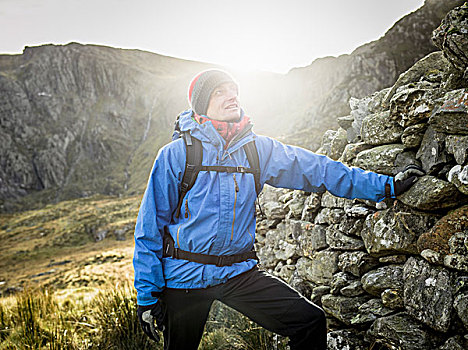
<point>218,213</point>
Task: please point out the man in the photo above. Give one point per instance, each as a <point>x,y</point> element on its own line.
<point>178,272</point>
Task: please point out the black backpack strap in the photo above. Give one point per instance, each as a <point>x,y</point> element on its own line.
<point>251,152</point>
<point>193,160</point>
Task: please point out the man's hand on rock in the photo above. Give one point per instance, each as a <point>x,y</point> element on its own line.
<point>406,178</point>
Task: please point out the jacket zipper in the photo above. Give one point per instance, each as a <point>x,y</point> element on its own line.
<point>235,201</point>
<point>251,237</point>
<point>187,215</point>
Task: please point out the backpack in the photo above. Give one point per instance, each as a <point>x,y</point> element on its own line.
<point>193,163</point>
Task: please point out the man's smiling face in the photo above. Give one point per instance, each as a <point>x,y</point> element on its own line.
<point>224,103</point>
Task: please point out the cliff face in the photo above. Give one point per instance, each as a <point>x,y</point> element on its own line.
<point>390,275</point>
<point>76,120</point>
<point>322,90</point>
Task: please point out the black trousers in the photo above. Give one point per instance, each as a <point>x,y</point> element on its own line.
<point>265,299</point>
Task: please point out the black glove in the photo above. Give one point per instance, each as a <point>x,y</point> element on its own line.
<point>406,178</point>
<point>147,315</point>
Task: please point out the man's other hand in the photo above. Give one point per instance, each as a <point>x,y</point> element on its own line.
<point>406,178</point>
<point>148,316</point>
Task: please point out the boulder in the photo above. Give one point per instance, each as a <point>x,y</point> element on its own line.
<point>457,262</point>
<point>357,211</point>
<point>311,207</point>
<point>342,308</point>
<point>338,144</point>
<point>344,339</point>
<point>378,129</point>
<point>356,263</point>
<point>395,231</point>
<point>432,152</point>
<point>438,237</point>
<point>340,280</point>
<point>376,281</point>
<point>331,201</point>
<point>380,159</point>
<point>327,138</point>
<point>312,239</point>
<point>458,176</point>
<point>337,240</point>
<point>370,311</point>
<point>450,37</point>
<point>431,193</point>
<point>413,135</point>
<point>460,305</point>
<point>401,331</point>
<point>359,110</point>
<point>329,216</point>
<point>274,210</point>
<point>413,103</point>
<point>318,293</point>
<point>450,117</point>
<point>458,146</point>
<point>455,343</point>
<point>354,289</point>
<point>351,226</point>
<point>320,268</point>
<point>352,150</point>
<point>427,293</point>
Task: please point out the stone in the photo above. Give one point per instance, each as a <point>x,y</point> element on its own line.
<point>377,129</point>
<point>312,239</point>
<point>331,201</point>
<point>318,293</point>
<point>338,144</point>
<point>455,343</point>
<point>460,306</point>
<point>432,257</point>
<point>458,176</point>
<point>458,243</point>
<point>412,103</point>
<point>320,268</point>
<point>285,250</point>
<point>359,110</point>
<point>393,298</point>
<point>456,261</point>
<point>356,263</point>
<point>329,216</point>
<point>274,210</point>
<point>433,62</point>
<point>376,281</point>
<point>438,237</point>
<point>345,122</point>
<point>338,240</point>
<point>451,116</point>
<point>354,289</point>
<point>427,293</point>
<point>380,159</point>
<point>395,231</point>
<point>295,205</point>
<point>432,152</point>
<point>400,331</point>
<point>344,339</point>
<point>458,146</point>
<point>357,211</point>
<point>300,284</point>
<point>450,37</point>
<point>352,150</point>
<point>404,159</point>
<point>311,207</point>
<point>369,311</point>
<point>431,193</point>
<point>342,308</point>
<point>286,272</point>
<point>327,139</point>
<point>339,280</point>
<point>351,226</point>
<point>413,135</point>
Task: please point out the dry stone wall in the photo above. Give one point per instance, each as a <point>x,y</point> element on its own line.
<point>389,275</point>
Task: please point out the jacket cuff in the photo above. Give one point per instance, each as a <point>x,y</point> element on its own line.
<point>145,300</point>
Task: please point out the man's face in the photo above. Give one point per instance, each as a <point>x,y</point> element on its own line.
<point>224,103</point>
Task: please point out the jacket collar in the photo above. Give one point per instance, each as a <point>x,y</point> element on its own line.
<point>206,132</point>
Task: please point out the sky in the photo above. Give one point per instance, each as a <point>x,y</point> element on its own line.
<point>268,35</point>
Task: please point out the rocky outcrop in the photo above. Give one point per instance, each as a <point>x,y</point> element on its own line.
<point>393,273</point>
<point>322,90</point>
